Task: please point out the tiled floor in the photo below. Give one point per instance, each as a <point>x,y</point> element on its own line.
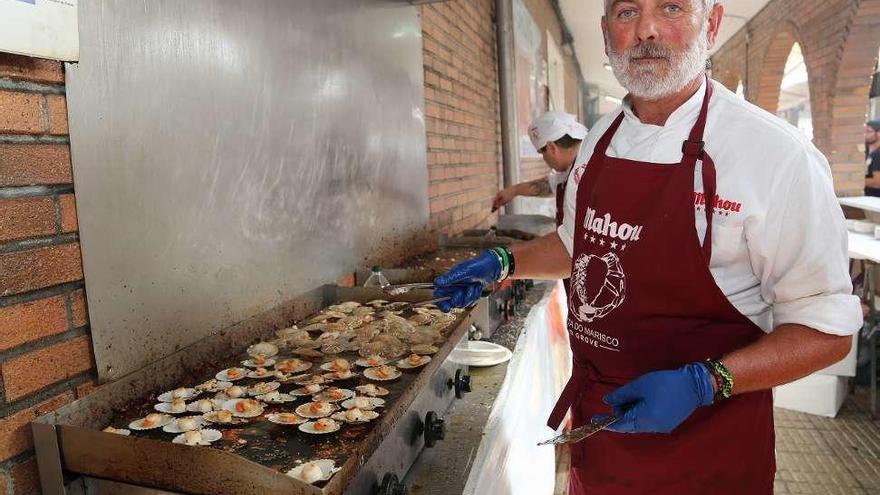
<point>818,455</point>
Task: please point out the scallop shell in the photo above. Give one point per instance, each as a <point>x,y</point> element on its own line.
<point>325,395</point>
<point>309,379</point>
<point>166,407</point>
<point>230,406</point>
<point>189,393</point>
<point>329,366</point>
<point>292,366</point>
<point>424,349</point>
<point>257,375</point>
<point>262,388</point>
<point>251,364</point>
<point>339,376</point>
<point>276,418</point>
<point>364,362</point>
<point>224,375</point>
<point>304,411</point>
<point>276,397</point>
<point>376,302</point>
<point>211,417</point>
<point>174,426</point>
<point>194,406</point>
<point>310,428</point>
<point>301,392</point>
<point>307,352</point>
<point>117,431</point>
<point>370,373</point>
<point>138,423</point>
<point>209,436</point>
<point>405,364</point>
<point>368,390</point>
<point>328,467</point>
<point>213,385</point>
<point>373,401</point>
<point>368,416</point>
<point>264,348</point>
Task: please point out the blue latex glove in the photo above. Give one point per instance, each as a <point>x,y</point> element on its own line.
<point>464,282</point>
<point>659,401</point>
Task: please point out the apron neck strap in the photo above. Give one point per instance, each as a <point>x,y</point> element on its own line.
<point>694,149</point>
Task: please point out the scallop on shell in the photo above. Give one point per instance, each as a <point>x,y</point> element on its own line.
<point>382,373</point>
<point>265,348</point>
<point>311,410</point>
<point>198,437</point>
<point>243,408</point>
<point>231,374</point>
<point>286,418</point>
<point>355,416</point>
<point>413,361</point>
<point>151,421</point>
<point>213,385</point>
<point>363,403</point>
<point>371,390</point>
<point>314,427</point>
<point>335,395</point>
<point>186,423</point>
<point>310,472</point>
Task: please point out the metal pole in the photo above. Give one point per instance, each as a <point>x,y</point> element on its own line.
<point>507,94</point>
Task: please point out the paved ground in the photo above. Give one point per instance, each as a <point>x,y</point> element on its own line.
<point>828,456</point>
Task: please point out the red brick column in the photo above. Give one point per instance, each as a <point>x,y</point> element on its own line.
<point>45,351</point>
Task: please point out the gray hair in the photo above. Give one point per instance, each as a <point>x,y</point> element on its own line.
<point>707,5</point>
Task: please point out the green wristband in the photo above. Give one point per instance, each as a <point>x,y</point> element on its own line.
<point>725,377</point>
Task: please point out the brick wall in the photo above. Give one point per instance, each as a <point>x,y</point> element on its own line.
<point>839,39</point>
<point>462,113</point>
<point>45,352</point>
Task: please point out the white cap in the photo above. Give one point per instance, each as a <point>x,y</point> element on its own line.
<point>552,126</point>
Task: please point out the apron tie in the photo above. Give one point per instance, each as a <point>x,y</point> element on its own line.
<point>582,372</point>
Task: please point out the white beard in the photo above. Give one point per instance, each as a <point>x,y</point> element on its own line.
<point>646,80</point>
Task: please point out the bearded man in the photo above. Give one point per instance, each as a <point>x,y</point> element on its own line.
<point>708,260</point>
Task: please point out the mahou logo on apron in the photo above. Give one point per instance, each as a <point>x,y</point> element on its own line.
<point>599,281</point>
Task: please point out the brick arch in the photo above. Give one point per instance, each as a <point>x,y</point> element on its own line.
<point>766,93</point>
<point>852,84</point>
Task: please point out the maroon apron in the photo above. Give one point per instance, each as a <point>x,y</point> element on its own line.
<point>642,299</point>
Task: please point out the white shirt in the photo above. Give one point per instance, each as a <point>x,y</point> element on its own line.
<point>779,243</point>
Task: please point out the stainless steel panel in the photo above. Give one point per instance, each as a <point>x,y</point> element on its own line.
<point>231,154</point>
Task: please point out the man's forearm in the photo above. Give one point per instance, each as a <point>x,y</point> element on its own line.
<point>537,188</point>
<point>545,259</point>
<point>788,353</point>
<point>873,181</point>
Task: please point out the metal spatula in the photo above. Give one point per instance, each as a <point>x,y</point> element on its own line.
<point>578,434</point>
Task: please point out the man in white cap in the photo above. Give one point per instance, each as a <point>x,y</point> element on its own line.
<point>557,136</point>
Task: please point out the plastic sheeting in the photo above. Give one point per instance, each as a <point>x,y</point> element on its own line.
<point>509,462</point>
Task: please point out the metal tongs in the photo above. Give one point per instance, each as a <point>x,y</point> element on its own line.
<point>578,434</point>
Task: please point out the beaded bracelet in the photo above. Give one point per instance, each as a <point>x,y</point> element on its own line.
<point>723,376</point>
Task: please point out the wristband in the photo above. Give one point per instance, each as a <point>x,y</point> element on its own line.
<point>506,258</point>
<point>503,274</point>
<point>723,377</point>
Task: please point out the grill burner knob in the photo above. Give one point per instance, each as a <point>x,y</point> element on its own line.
<point>391,486</point>
<point>435,429</point>
<point>461,383</point>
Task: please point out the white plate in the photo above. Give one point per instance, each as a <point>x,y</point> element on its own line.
<point>327,466</point>
<point>299,368</point>
<point>230,406</point>
<point>262,388</point>
<point>165,407</point>
<point>214,385</point>
<point>368,416</point>
<point>275,418</point>
<point>174,426</point>
<point>365,391</point>
<point>479,353</point>
<point>276,398</point>
<point>224,375</point>
<point>374,403</point>
<point>362,362</point>
<point>346,394</point>
<point>138,423</point>
<point>405,364</point>
<point>251,364</point>
<point>310,428</point>
<point>370,373</point>
<point>208,436</point>
<point>189,393</point>
<point>304,411</point>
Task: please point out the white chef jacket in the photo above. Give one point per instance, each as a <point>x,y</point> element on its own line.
<point>779,241</point>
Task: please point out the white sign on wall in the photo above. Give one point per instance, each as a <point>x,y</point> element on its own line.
<point>40,28</point>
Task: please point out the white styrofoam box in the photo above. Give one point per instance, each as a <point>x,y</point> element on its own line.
<point>821,395</point>
<point>846,366</point>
